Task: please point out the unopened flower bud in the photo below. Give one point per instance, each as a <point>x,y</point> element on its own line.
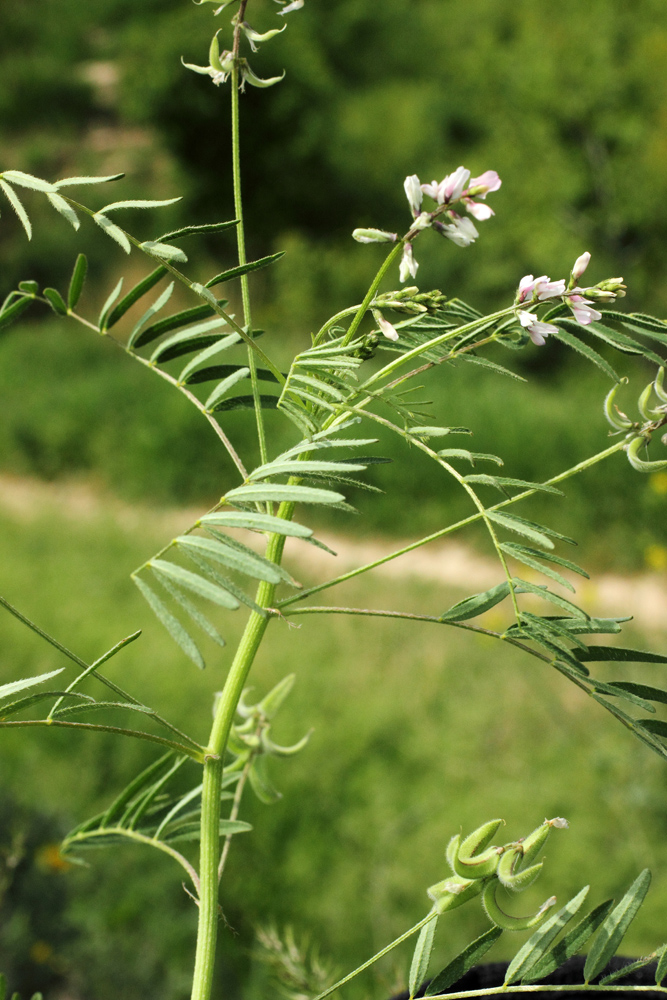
<point>390,332</point>
<point>413,193</point>
<point>580,265</point>
<point>374,236</point>
<point>408,264</point>
<point>614,285</point>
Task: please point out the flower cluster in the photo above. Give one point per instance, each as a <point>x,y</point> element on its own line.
<point>455,187</point>
<point>533,291</point>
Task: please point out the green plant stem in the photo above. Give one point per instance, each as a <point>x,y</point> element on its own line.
<point>240,240</point>
<point>370,294</point>
<point>573,471</point>
<point>210,822</point>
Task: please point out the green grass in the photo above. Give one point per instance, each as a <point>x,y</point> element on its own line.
<point>418,732</point>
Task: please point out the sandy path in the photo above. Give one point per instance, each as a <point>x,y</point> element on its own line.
<point>644,595</point>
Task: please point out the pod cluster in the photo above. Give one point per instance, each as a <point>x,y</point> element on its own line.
<point>481,867</point>
<point>639,433</point>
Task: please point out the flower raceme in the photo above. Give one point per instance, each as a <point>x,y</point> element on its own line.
<point>534,291</point>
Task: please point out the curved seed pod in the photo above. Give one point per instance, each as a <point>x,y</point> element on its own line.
<point>471,860</point>
<point>453,850</point>
<point>271,702</point>
<point>639,463</point>
<point>643,403</point>
<point>453,892</point>
<point>519,881</point>
<point>510,861</point>
<point>504,920</point>
<point>534,842</point>
<point>615,417</point>
<point>659,385</point>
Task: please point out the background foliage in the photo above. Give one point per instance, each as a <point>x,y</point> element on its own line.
<point>569,103</point>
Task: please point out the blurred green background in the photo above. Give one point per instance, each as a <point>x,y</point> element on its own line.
<point>416,732</point>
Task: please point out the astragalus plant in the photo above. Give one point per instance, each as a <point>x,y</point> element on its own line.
<point>357,373</point>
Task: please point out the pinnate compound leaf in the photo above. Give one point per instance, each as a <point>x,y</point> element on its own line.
<point>571,944</point>
<point>613,929</point>
<point>17,205</point>
<point>101,323</point>
<point>28,181</point>
<point>138,203</point>
<point>236,556</point>
<point>75,181</point>
<point>582,348</point>
<point>56,301</point>
<point>245,403</point>
<point>65,209</point>
<point>208,229</point>
<point>529,529</point>
<point>549,557</point>
<point>661,970</point>
<point>537,944</point>
<point>502,481</point>
<point>468,958</point>
<point>619,654</point>
<point>522,555</point>
<point>274,492</point>
<point>422,955</point>
<point>171,623</point>
<point>476,605</point>
<point>236,272</point>
<point>174,322</point>
<point>548,595</point>
<point>77,280</point>
<point>627,970</point>
<point>112,230</point>
<point>223,387</point>
<point>8,690</point>
<point>159,303</point>
<point>130,792</point>
<point>195,614</point>
<point>257,522</point>
<point>128,300</point>
<point>164,250</point>
<point>13,311</point>
<point>194,582</point>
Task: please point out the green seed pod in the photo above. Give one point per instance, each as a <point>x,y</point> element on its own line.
<point>640,464</point>
<point>271,702</point>
<point>453,850</point>
<point>453,892</point>
<point>616,418</point>
<point>658,385</point>
<point>534,842</point>
<point>644,401</point>
<point>503,920</point>
<point>471,860</point>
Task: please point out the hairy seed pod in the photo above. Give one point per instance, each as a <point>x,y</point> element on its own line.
<point>453,850</point>
<point>508,923</point>
<point>659,385</point>
<point>453,892</point>
<point>534,842</point>
<point>618,420</point>
<point>644,401</point>
<point>472,860</point>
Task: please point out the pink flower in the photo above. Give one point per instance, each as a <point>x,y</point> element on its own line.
<point>526,286</point>
<point>537,331</point>
<point>547,289</point>
<point>488,180</point>
<point>480,212</point>
<point>408,264</point>
<point>581,308</point>
<point>580,265</point>
<point>449,189</point>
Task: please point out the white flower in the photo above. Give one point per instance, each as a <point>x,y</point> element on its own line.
<point>413,193</point>
<point>388,330</point>
<point>408,264</point>
<point>459,231</point>
<point>295,5</point>
<point>537,330</point>
<point>547,289</point>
